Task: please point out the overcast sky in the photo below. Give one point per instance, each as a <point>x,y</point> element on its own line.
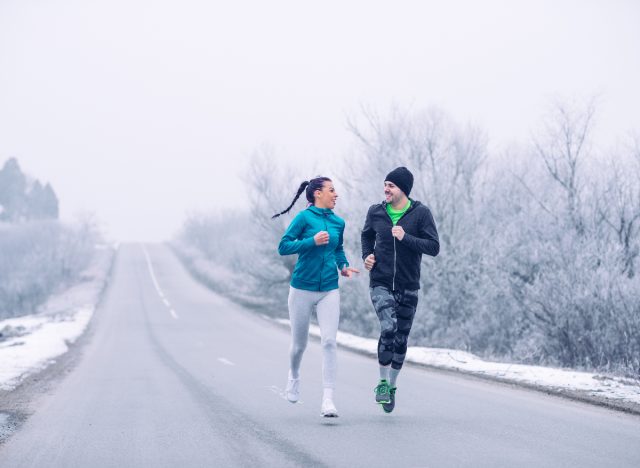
<point>142,111</point>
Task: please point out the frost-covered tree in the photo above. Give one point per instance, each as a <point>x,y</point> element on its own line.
<point>539,245</point>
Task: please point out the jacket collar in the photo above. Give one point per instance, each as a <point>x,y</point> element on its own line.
<point>414,203</point>
<point>320,211</point>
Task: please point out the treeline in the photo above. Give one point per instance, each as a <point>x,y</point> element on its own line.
<point>539,245</point>
<point>24,199</point>
<point>39,255</point>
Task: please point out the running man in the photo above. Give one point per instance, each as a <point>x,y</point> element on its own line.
<point>395,235</point>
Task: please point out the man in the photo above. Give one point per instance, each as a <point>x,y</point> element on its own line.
<point>395,235</point>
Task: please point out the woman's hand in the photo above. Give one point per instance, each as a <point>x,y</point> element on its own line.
<point>322,238</point>
<point>348,271</point>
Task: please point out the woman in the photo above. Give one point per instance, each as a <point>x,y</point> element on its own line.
<point>315,234</point>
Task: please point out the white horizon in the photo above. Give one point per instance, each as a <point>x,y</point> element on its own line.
<point>143,112</point>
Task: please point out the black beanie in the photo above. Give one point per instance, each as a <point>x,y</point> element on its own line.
<point>402,177</point>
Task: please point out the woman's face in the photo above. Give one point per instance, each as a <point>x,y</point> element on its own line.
<point>326,198</point>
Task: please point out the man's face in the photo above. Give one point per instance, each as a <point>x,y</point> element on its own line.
<point>392,194</point>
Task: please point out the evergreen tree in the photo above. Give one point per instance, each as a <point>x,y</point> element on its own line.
<point>18,203</point>
<point>50,203</point>
<point>13,184</point>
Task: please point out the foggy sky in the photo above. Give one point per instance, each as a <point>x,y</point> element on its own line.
<point>142,111</point>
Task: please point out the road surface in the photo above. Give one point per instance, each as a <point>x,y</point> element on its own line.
<point>174,375</point>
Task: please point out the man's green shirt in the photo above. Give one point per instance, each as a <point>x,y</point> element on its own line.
<point>395,215</point>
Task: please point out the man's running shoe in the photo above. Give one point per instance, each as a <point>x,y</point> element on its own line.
<point>292,392</point>
<point>328,409</point>
<point>388,407</point>
<point>382,392</point>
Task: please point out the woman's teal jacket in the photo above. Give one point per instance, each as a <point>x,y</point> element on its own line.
<point>317,266</point>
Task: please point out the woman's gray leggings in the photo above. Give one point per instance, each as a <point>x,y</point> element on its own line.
<point>301,305</point>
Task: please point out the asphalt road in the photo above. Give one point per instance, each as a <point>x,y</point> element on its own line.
<point>176,376</point>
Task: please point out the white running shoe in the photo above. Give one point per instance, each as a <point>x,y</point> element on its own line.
<point>328,409</point>
<point>292,392</point>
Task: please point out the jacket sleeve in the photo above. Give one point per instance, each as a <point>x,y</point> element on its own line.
<point>291,243</point>
<point>427,241</point>
<point>368,236</point>
<point>341,258</point>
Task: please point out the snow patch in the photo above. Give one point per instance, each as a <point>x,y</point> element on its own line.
<point>30,343</point>
<point>613,388</point>
<point>45,338</point>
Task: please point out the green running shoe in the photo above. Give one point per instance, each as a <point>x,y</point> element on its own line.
<point>382,392</point>
<point>388,407</point>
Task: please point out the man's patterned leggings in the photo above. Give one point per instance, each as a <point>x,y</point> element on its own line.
<point>395,310</point>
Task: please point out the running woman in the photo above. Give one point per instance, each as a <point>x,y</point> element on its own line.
<point>315,234</point>
<point>395,235</point>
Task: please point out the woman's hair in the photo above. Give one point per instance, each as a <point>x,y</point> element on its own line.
<point>311,186</point>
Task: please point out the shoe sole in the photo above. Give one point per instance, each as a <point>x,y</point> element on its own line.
<point>329,415</point>
<point>388,400</point>
<point>387,410</point>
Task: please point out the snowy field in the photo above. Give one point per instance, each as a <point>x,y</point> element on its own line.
<point>30,343</point>
<point>595,385</point>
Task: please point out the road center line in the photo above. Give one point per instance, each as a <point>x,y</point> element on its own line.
<point>226,361</point>
<point>156,285</point>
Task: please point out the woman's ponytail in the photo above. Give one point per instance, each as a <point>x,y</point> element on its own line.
<point>301,189</point>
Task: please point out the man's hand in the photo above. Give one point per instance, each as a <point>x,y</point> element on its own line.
<point>397,232</point>
<point>369,261</point>
<point>322,238</point>
<point>348,271</point>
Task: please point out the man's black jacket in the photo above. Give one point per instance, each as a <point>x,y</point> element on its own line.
<point>398,262</point>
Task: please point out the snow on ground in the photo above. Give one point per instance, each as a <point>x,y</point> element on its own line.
<point>596,385</point>
<point>35,341</point>
<point>39,340</point>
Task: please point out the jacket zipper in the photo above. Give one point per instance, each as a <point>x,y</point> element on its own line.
<point>393,281</point>
<point>394,265</point>
<point>323,253</point>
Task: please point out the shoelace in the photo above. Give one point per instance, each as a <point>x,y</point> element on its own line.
<point>381,388</point>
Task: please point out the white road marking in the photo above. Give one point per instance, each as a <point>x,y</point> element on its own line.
<point>226,361</point>
<point>155,283</point>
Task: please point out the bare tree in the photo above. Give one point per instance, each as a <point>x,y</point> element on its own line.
<point>36,259</point>
<point>271,188</point>
<point>538,267</point>
<point>619,205</point>
<point>562,148</point>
